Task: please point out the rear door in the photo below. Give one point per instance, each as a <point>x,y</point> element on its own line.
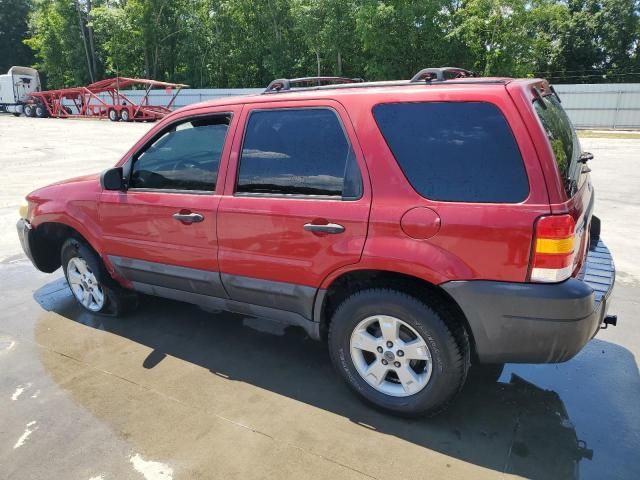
<point>296,203</point>
<point>161,232</point>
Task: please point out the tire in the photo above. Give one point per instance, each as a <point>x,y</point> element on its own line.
<point>113,115</point>
<point>125,115</point>
<point>29,111</point>
<point>106,296</point>
<point>438,378</point>
<point>41,111</point>
<point>483,374</point>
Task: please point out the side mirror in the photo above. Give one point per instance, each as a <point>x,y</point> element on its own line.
<point>112,179</point>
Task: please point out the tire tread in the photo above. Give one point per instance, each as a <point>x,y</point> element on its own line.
<point>454,327</point>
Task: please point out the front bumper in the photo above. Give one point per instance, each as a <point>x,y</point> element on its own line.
<point>24,232</point>
<point>533,322</point>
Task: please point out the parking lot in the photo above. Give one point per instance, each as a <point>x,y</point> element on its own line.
<point>176,392</point>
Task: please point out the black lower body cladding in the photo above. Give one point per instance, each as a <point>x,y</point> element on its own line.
<point>534,322</point>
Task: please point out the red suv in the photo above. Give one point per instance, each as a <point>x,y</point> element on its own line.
<point>423,228</point>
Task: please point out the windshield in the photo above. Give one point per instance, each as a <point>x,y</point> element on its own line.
<point>563,139</point>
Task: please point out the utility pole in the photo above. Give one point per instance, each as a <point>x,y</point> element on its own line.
<point>84,41</point>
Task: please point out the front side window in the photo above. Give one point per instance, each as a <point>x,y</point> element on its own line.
<point>455,151</point>
<point>297,152</point>
<point>184,157</point>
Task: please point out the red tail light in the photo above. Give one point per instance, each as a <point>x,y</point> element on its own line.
<point>553,249</point>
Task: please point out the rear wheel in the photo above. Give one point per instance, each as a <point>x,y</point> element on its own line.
<point>113,115</point>
<point>29,111</point>
<point>399,353</point>
<point>125,116</point>
<point>41,111</point>
<point>89,281</point>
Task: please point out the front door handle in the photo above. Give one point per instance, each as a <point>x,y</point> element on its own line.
<point>188,217</point>
<point>326,228</point>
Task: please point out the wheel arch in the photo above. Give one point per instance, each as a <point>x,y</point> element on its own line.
<point>344,285</point>
<point>45,243</point>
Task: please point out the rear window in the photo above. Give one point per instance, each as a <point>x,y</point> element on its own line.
<point>562,137</point>
<point>455,151</point>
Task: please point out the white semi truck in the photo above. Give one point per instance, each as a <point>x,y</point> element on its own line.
<point>15,88</point>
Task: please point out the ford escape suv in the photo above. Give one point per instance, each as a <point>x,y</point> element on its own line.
<point>424,228</point>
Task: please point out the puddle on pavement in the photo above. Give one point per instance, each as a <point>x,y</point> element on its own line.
<point>152,380</point>
<point>7,343</point>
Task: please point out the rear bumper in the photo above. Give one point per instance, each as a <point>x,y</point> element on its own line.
<point>537,323</point>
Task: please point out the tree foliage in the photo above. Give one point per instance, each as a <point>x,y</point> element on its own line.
<point>246,43</point>
<point>13,29</point>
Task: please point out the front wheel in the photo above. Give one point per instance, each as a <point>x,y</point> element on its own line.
<point>89,281</point>
<point>399,353</point>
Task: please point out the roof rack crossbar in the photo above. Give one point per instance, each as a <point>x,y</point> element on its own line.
<point>438,74</point>
<point>284,84</point>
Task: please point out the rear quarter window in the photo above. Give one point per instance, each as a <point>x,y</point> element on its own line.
<point>455,151</point>
<point>563,140</point>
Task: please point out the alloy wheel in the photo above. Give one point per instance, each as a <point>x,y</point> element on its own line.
<point>84,284</point>
<point>391,356</point>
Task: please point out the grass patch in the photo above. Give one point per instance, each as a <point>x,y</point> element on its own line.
<point>592,134</point>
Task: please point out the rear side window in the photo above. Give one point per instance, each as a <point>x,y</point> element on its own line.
<point>298,152</point>
<point>455,151</point>
<point>562,137</point>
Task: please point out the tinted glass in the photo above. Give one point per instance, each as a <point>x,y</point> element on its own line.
<point>186,157</point>
<point>455,151</point>
<point>298,152</point>
<point>562,137</point>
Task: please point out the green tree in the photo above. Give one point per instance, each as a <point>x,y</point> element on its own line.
<point>13,30</point>
<point>618,26</point>
<point>398,37</point>
<point>58,43</point>
<point>246,43</point>
<point>328,30</point>
<point>501,34</point>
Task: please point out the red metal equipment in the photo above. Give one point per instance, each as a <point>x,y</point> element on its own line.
<point>105,99</point>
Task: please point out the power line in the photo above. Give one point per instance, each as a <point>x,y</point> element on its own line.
<point>606,75</point>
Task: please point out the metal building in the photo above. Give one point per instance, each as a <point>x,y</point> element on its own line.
<point>604,105</point>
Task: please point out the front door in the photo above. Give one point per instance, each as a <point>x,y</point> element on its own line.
<point>296,204</point>
<point>160,234</point>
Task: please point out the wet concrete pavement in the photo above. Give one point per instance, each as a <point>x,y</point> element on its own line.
<point>215,395</point>
<point>175,392</point>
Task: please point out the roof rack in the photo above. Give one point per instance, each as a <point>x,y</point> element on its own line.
<point>284,84</point>
<point>428,76</point>
<point>438,74</point>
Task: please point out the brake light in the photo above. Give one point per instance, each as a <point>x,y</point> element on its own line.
<point>554,249</point>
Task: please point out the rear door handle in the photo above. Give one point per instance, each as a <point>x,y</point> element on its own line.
<point>188,217</point>
<point>326,228</point>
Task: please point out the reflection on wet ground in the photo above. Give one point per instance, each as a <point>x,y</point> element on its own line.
<point>575,420</point>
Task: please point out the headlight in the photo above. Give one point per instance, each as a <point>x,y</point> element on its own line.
<point>24,211</point>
